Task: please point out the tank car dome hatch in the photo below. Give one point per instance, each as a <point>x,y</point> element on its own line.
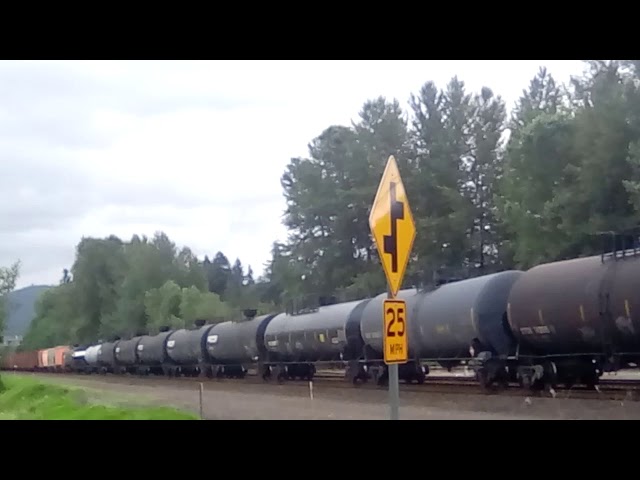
<point>164,328</point>
<point>324,301</point>
<point>250,312</point>
<point>199,322</point>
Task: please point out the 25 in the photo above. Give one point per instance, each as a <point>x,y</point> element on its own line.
<point>395,317</point>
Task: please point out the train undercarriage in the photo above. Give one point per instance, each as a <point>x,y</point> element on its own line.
<point>200,370</point>
<point>536,374</point>
<point>287,371</point>
<point>378,373</point>
<point>492,372</point>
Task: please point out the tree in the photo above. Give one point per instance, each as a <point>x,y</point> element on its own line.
<point>98,270</point>
<point>118,288</point>
<point>441,144</point>
<point>218,273</point>
<point>162,307</point>
<point>328,199</point>
<point>66,278</point>
<point>482,167</point>
<point>56,319</point>
<point>537,182</point>
<point>8,278</point>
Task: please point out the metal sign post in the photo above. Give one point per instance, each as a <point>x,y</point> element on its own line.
<point>393,230</point>
<point>395,347</point>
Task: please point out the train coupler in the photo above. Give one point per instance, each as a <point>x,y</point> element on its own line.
<point>489,369</point>
<point>356,372</point>
<point>530,375</point>
<point>413,371</point>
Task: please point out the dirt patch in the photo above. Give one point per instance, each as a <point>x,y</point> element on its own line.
<point>229,400</point>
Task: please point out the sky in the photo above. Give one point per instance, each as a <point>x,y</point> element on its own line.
<point>192,148</point>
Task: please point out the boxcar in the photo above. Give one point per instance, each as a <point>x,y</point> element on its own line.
<point>22,361</point>
<point>58,357</point>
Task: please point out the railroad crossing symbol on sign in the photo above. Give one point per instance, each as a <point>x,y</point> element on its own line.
<point>392,225</point>
<point>395,332</point>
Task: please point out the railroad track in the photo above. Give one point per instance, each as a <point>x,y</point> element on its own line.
<point>608,389</point>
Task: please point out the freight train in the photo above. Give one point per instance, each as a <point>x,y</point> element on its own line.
<point>560,323</point>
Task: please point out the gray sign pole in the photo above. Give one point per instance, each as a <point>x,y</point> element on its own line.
<point>394,383</point>
<point>394,391</point>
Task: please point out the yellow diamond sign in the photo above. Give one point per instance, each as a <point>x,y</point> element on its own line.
<point>392,225</point>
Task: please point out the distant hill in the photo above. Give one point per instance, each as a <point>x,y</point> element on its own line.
<point>22,309</point>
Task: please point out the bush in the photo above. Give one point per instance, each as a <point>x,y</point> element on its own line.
<point>27,399</point>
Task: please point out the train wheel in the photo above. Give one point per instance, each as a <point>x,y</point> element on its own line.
<point>537,385</point>
<point>482,377</point>
<point>591,381</point>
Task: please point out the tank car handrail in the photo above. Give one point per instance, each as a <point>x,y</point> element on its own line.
<point>622,237</point>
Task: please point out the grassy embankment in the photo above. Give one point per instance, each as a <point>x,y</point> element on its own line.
<point>28,399</point>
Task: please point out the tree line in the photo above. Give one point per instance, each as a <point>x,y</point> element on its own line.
<point>489,190</point>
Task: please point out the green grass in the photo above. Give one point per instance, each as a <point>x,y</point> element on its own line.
<point>28,399</point>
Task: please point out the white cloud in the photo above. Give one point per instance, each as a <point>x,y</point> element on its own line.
<point>195,149</point>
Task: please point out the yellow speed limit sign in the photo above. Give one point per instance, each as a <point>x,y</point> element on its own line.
<point>396,348</point>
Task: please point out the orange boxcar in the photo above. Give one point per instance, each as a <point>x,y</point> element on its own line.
<point>59,353</point>
<point>42,359</point>
<point>51,358</point>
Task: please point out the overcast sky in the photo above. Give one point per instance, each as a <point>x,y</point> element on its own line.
<point>195,149</point>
